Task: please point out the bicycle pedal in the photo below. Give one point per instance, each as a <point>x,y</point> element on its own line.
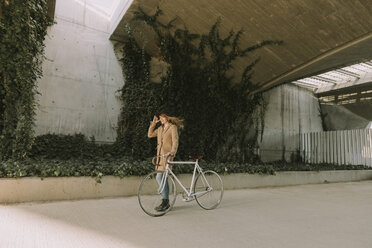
<point>188,199</point>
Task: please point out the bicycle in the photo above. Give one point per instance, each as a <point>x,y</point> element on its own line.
<point>206,189</point>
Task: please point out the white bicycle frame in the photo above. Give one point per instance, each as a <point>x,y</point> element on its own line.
<point>168,171</point>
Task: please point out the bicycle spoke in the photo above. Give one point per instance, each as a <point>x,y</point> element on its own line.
<point>208,190</point>
<point>149,196</point>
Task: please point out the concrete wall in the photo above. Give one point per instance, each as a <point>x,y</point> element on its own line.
<point>73,188</point>
<point>290,110</point>
<point>81,74</point>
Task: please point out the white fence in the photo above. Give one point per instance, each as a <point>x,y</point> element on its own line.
<point>338,147</point>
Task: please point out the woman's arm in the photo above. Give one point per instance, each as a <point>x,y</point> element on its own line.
<point>174,139</point>
<point>152,133</point>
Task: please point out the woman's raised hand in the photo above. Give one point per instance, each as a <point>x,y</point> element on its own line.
<point>155,120</point>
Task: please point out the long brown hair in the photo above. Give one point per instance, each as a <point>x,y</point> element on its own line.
<point>173,120</point>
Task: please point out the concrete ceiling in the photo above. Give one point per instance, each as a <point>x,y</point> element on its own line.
<point>318,35</point>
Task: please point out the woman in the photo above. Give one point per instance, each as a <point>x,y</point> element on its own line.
<point>167,135</point>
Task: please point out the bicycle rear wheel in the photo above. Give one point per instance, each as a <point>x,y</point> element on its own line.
<point>208,190</point>
<point>149,196</point>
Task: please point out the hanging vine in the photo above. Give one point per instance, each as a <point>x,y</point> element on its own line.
<point>196,87</point>
<point>23,26</point>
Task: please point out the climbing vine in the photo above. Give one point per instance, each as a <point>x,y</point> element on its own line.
<point>23,26</point>
<point>196,87</point>
<point>140,100</point>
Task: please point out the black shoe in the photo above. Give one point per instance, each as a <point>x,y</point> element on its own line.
<point>163,206</point>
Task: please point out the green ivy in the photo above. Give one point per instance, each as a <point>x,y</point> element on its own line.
<point>126,166</point>
<point>23,26</point>
<point>65,147</point>
<point>55,155</point>
<point>139,101</point>
<point>196,88</point>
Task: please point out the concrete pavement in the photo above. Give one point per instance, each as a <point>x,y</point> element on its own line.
<point>314,216</point>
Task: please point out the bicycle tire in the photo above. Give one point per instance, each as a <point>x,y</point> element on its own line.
<point>208,197</point>
<point>149,197</point>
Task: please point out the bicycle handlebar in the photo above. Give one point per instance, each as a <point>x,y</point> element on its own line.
<point>163,155</point>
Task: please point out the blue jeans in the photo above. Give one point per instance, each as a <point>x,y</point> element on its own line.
<point>165,192</point>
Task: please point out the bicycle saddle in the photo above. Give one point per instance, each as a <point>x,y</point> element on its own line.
<point>196,157</point>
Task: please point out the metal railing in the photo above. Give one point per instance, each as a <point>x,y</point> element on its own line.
<point>338,147</point>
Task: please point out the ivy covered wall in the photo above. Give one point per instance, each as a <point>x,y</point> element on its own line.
<point>23,26</point>
<point>196,87</point>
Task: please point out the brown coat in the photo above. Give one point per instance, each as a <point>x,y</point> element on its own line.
<point>167,141</point>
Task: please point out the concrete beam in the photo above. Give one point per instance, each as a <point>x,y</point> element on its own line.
<point>118,15</point>
<point>51,8</point>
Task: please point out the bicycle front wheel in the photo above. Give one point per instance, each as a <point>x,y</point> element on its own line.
<point>208,190</point>
<point>150,197</point>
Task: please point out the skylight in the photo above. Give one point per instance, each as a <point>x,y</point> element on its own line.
<point>339,78</point>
